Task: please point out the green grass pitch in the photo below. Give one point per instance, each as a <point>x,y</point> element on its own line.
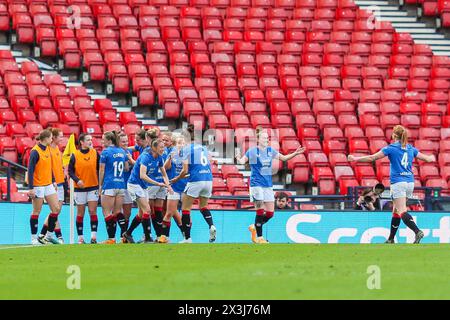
<point>226,271</point>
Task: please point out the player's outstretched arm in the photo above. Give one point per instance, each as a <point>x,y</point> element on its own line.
<point>131,161</point>
<point>168,163</point>
<point>426,157</point>
<point>288,157</point>
<point>239,158</point>
<point>143,176</point>
<point>371,158</point>
<point>182,174</point>
<point>101,174</point>
<point>166,180</point>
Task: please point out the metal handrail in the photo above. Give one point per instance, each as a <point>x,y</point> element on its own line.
<point>14,164</point>
<point>9,174</point>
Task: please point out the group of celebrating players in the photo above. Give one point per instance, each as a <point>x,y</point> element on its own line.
<point>172,168</point>
<point>165,167</point>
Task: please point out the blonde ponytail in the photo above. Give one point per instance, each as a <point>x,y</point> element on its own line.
<point>400,133</point>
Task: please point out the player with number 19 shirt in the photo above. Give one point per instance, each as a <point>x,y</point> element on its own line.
<point>113,164</point>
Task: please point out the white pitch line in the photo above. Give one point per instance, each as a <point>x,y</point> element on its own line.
<point>18,247</point>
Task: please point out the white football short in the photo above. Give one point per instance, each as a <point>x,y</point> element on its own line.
<point>264,194</point>
<point>42,192</point>
<point>127,198</point>
<point>402,190</point>
<point>155,192</point>
<point>113,192</point>
<point>136,192</point>
<point>199,189</point>
<point>83,197</point>
<point>174,196</point>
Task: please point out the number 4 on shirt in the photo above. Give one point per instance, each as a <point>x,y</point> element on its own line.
<point>404,161</point>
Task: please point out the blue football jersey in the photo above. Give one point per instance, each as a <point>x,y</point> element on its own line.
<point>175,170</point>
<point>401,161</point>
<point>135,177</point>
<point>114,159</point>
<point>139,149</point>
<point>199,165</point>
<point>261,166</point>
<point>127,173</point>
<point>153,169</point>
<point>167,152</point>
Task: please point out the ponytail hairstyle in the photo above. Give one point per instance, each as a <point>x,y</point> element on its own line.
<point>82,138</point>
<point>189,133</point>
<point>401,134</point>
<point>112,136</point>
<point>141,134</point>
<point>258,131</point>
<point>44,134</point>
<point>55,132</point>
<point>152,133</point>
<point>154,144</point>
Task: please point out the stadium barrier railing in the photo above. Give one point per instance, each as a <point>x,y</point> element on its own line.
<point>12,169</point>
<point>430,199</point>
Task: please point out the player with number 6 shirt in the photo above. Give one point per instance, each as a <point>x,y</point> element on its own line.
<point>199,186</point>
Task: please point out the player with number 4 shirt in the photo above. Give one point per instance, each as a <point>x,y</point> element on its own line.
<point>401,155</point>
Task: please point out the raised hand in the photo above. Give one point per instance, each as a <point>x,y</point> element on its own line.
<point>300,150</point>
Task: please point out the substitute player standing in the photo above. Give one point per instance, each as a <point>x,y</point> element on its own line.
<point>401,155</point>
<point>199,185</point>
<point>261,186</point>
<point>83,169</point>
<point>42,186</point>
<point>113,164</point>
<point>58,174</point>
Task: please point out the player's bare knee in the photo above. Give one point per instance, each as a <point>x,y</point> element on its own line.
<point>259,204</point>
<point>56,208</point>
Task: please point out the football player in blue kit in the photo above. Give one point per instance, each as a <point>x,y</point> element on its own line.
<point>199,184</point>
<point>113,165</point>
<point>261,186</point>
<point>147,171</point>
<point>124,216</point>
<point>401,155</point>
<point>174,166</point>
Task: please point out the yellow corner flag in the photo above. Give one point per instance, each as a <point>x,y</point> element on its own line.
<point>70,148</point>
